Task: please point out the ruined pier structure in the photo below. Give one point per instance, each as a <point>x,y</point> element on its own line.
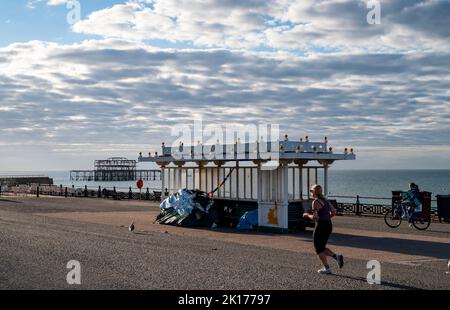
<point>115,169</point>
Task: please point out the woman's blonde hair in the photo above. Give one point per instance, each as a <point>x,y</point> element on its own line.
<point>317,189</point>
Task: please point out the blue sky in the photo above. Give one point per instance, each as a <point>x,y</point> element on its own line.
<point>118,80</point>
<point>25,20</point>
<point>21,23</point>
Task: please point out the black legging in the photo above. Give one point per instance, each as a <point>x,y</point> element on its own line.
<point>321,234</point>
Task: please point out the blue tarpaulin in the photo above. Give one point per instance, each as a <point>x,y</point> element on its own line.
<point>248,221</point>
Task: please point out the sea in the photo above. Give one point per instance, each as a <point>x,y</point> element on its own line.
<point>349,183</point>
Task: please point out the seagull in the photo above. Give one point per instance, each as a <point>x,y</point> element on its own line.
<point>131,227</point>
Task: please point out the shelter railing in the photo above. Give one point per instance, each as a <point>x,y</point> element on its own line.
<point>359,208</point>
<point>118,193</point>
<point>343,208</point>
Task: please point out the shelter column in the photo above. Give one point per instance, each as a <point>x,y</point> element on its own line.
<point>259,193</point>
<point>259,183</point>
<point>325,180</point>
<point>325,164</point>
<point>308,182</point>
<point>163,182</point>
<point>200,165</point>
<point>178,175</point>
<point>219,168</point>
<point>301,163</point>
<point>300,172</point>
<point>169,180</point>
<point>237,180</point>
<point>285,195</point>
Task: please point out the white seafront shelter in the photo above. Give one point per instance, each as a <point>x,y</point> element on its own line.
<point>273,177</point>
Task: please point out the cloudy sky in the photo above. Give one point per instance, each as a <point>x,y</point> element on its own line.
<point>115,81</point>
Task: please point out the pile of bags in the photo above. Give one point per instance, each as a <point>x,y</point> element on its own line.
<point>188,208</point>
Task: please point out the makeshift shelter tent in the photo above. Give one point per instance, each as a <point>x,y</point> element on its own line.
<point>273,177</point>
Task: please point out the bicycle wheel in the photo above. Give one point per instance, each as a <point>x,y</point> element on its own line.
<point>420,221</point>
<point>393,218</point>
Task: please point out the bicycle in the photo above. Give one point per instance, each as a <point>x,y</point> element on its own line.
<point>403,210</point>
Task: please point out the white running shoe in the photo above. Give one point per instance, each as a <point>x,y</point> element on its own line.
<point>324,270</point>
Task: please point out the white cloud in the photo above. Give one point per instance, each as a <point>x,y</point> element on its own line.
<point>110,89</point>
<point>56,2</point>
<point>31,4</point>
<point>310,25</point>
<point>364,86</point>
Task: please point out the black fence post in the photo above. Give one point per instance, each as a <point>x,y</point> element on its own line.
<point>130,194</point>
<point>65,192</point>
<point>147,194</point>
<point>0,190</point>
<point>358,206</point>
<point>73,190</point>
<point>85,191</point>
<point>37,191</point>
<point>60,190</point>
<point>114,193</point>
<point>99,194</point>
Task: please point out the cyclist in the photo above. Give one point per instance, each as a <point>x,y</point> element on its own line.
<point>412,197</point>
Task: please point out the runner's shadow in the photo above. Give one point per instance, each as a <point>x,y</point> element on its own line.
<point>428,248</point>
<point>438,231</point>
<point>7,200</point>
<point>383,283</point>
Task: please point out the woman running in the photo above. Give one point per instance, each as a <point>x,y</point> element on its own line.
<point>323,211</point>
